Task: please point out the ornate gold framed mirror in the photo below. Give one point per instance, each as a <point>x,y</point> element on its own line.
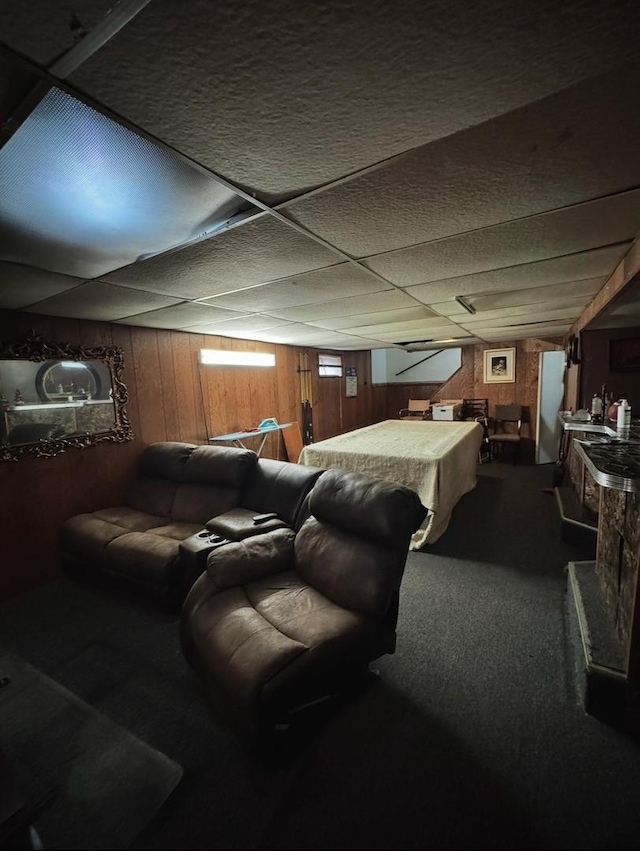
<point>56,395</point>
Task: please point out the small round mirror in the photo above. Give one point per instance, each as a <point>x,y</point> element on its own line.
<point>58,381</point>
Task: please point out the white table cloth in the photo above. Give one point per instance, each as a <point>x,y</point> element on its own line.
<point>435,459</point>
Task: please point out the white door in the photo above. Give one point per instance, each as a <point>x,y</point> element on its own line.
<point>550,396</point>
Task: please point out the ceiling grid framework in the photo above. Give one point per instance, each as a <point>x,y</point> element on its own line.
<point>378,203</point>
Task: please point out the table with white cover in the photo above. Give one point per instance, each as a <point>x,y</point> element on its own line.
<point>435,459</point>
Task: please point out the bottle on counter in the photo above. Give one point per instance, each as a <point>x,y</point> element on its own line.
<point>624,415</point>
<point>596,408</point>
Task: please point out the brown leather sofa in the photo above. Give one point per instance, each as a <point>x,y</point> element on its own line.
<point>278,617</point>
<point>138,549</point>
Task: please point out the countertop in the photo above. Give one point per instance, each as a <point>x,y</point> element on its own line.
<point>612,456</point>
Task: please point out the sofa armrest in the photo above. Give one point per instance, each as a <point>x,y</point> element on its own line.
<point>241,562</point>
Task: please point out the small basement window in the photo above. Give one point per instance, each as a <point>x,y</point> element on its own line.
<point>330,365</point>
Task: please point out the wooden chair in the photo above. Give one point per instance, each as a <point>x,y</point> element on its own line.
<point>477,410</point>
<point>507,431</point>
<point>416,409</point>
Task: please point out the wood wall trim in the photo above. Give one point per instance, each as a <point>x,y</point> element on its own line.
<point>626,271</point>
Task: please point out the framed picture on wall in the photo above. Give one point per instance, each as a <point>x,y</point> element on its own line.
<point>624,355</point>
<point>499,366</point>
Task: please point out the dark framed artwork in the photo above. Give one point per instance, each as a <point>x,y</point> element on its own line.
<point>624,355</point>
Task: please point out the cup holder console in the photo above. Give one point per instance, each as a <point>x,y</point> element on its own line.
<point>211,537</point>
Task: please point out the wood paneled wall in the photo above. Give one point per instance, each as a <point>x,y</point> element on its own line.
<point>398,395</point>
<point>468,383</point>
<point>171,397</point>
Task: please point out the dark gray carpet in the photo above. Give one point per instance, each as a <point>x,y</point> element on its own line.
<point>93,783</point>
<point>475,736</point>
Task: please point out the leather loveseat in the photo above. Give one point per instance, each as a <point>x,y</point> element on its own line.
<point>138,549</point>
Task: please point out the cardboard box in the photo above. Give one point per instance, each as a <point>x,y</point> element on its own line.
<point>446,412</point>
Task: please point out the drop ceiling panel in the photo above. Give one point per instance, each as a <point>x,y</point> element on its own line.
<point>550,154</point>
<point>180,316</point>
<point>436,333</point>
<point>576,267</point>
<point>99,301</point>
<point>537,314</point>
<point>305,335</point>
<point>574,305</point>
<point>450,344</point>
<point>244,118</point>
<point>574,292</point>
<point>570,293</point>
<point>238,325</point>
<point>399,328</point>
<point>44,30</point>
<point>578,228</point>
<point>82,195</point>
<point>21,286</point>
<point>390,299</point>
<point>259,251</point>
<point>345,279</point>
<point>544,330</point>
<point>375,318</point>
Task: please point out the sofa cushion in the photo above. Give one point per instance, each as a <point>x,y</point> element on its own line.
<point>278,486</point>
<point>368,507</point>
<point>257,636</point>
<point>166,460</point>
<point>145,557</point>
<point>177,531</point>
<point>352,572</point>
<point>152,495</point>
<point>220,465</point>
<point>87,536</point>
<point>195,503</point>
<point>130,519</point>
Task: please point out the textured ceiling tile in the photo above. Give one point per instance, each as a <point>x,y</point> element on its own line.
<point>345,279</point>
<point>376,318</point>
<point>21,286</point>
<point>543,330</point>
<point>579,228</point>
<point>261,92</point>
<point>390,299</point>
<point>99,301</point>
<point>397,327</point>
<point>361,345</point>
<point>43,30</point>
<point>574,292</point>
<point>543,314</point>
<point>302,335</point>
<point>259,251</point>
<point>525,309</point>
<point>180,316</point>
<point>237,325</point>
<point>435,333</point>
<point>551,154</point>
<point>575,267</point>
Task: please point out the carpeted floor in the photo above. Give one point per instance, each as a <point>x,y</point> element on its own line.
<point>93,784</point>
<point>474,737</point>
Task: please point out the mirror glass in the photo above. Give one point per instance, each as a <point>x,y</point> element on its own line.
<point>49,403</point>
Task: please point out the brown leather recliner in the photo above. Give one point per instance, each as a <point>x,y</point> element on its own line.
<point>276,618</point>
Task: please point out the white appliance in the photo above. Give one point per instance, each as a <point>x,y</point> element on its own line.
<point>551,367</point>
<point>446,412</point>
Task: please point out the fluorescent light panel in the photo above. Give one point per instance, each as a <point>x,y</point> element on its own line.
<point>82,195</point>
<point>217,357</point>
